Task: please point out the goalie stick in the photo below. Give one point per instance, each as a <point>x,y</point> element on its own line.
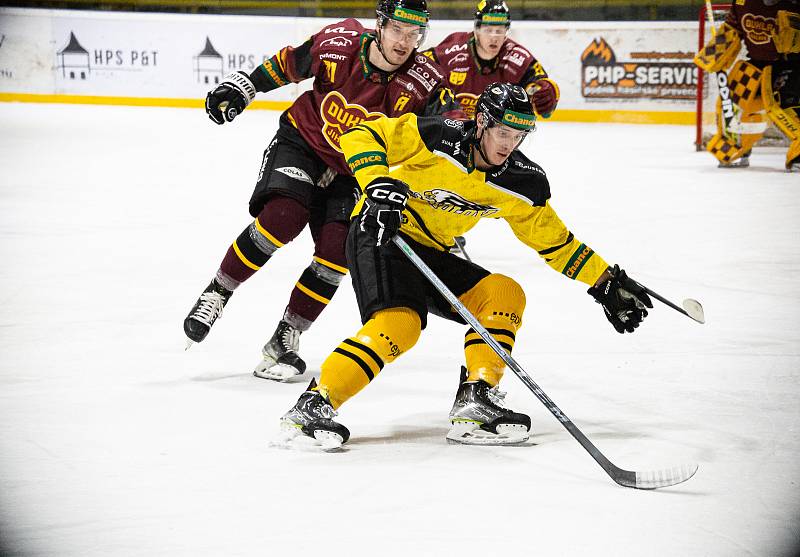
<point>729,110</point>
<point>626,478</point>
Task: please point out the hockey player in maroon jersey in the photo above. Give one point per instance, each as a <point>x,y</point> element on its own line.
<point>766,82</point>
<point>359,75</point>
<point>473,60</point>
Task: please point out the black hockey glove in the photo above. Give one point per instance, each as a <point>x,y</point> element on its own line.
<point>623,300</point>
<point>382,212</point>
<point>230,97</point>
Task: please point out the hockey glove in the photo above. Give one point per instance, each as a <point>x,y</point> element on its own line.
<point>544,96</point>
<point>623,299</point>
<point>382,212</point>
<point>230,98</point>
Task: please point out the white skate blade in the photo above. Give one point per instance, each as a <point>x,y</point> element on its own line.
<point>270,369</point>
<point>189,343</point>
<point>470,433</point>
<point>292,438</point>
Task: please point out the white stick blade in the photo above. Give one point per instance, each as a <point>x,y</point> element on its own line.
<point>663,478</point>
<point>694,310</point>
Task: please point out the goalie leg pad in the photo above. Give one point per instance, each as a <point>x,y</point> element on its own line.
<point>744,82</point>
<point>748,123</point>
<point>721,50</point>
<point>726,149</point>
<point>498,303</point>
<point>785,118</point>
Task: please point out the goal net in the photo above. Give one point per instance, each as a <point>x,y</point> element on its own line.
<point>708,91</point>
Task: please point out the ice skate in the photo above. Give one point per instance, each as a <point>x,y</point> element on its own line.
<point>479,417</point>
<point>281,361</point>
<point>742,162</point>
<point>205,312</point>
<point>309,424</point>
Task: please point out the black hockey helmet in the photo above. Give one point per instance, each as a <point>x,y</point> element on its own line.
<point>492,12</point>
<point>407,11</point>
<point>504,103</point>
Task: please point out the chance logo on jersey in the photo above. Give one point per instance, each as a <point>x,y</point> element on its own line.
<point>338,116</point>
<point>454,203</point>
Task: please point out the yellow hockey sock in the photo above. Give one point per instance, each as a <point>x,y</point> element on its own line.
<point>358,359</point>
<point>498,303</point>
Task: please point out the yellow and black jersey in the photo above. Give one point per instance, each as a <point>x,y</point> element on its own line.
<point>448,196</point>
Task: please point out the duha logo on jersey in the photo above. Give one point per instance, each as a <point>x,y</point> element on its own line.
<point>758,28</point>
<point>338,116</point>
<point>468,103</point>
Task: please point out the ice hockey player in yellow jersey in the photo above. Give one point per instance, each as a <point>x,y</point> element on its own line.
<point>449,174</point>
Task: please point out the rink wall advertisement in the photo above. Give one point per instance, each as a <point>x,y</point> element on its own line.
<point>618,71</point>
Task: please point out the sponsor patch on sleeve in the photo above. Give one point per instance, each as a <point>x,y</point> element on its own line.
<point>577,261</point>
<point>368,158</point>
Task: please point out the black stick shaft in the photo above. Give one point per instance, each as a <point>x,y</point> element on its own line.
<point>618,475</point>
<point>664,300</point>
<point>461,245</point>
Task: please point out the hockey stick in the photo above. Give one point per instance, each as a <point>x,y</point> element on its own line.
<point>691,307</point>
<point>626,478</point>
<point>462,243</point>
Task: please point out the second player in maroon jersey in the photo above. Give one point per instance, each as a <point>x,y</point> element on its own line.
<point>359,74</point>
<point>473,60</point>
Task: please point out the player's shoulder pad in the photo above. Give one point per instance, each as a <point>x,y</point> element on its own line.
<point>447,137</point>
<point>522,178</point>
<point>342,37</point>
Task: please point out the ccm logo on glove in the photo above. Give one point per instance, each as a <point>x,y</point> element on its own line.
<point>379,194</point>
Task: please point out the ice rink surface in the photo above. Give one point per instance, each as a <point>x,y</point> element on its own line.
<point>115,441</point>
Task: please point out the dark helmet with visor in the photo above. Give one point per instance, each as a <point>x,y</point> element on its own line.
<point>504,103</point>
<point>492,12</point>
<point>404,11</point>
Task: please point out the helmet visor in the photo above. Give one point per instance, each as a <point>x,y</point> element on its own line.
<point>405,25</point>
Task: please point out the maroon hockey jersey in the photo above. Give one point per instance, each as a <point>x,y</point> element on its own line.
<point>347,89</point>
<point>468,76</point>
<point>756,22</point>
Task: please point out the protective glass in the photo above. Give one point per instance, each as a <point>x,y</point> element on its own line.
<point>491,30</point>
<point>404,33</point>
<point>506,135</point>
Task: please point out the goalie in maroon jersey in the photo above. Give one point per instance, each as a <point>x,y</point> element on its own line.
<point>473,60</point>
<point>764,85</point>
<point>359,75</point>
